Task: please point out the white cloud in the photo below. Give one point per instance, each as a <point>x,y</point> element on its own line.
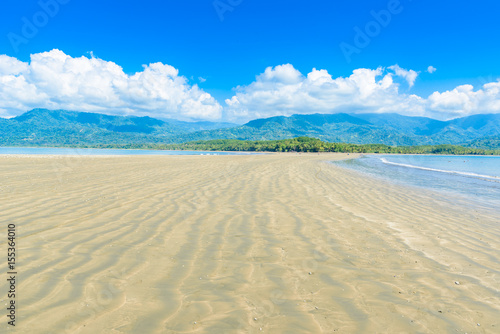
<point>431,69</point>
<point>201,79</point>
<point>9,65</point>
<point>282,90</point>
<point>464,100</point>
<point>57,81</point>
<point>408,75</point>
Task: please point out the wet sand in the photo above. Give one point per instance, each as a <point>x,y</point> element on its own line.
<point>240,244</point>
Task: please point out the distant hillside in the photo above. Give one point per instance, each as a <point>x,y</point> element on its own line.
<point>61,127</point>
<point>487,143</point>
<point>388,129</point>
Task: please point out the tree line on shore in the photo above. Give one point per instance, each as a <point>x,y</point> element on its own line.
<point>299,144</point>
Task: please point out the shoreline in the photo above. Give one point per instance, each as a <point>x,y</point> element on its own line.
<point>259,152</point>
<point>465,198</point>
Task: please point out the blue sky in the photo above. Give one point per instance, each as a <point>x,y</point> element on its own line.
<point>219,45</point>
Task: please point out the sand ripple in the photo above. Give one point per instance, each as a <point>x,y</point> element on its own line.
<point>241,244</point>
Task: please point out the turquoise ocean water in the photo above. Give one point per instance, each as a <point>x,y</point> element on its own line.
<point>475,179</point>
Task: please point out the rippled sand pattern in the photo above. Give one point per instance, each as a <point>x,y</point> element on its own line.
<point>241,244</point>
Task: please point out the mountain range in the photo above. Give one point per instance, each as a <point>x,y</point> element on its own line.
<point>42,127</point>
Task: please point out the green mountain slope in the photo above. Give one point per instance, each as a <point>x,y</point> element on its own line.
<point>487,143</point>
<point>61,127</point>
<point>389,129</point>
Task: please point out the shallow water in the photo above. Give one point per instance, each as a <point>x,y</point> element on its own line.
<point>471,178</point>
<point>92,151</point>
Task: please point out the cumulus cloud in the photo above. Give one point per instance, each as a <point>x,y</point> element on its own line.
<point>408,75</point>
<point>283,90</point>
<point>464,100</point>
<point>431,69</point>
<point>55,80</point>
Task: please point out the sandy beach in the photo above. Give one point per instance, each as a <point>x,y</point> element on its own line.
<point>279,243</point>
